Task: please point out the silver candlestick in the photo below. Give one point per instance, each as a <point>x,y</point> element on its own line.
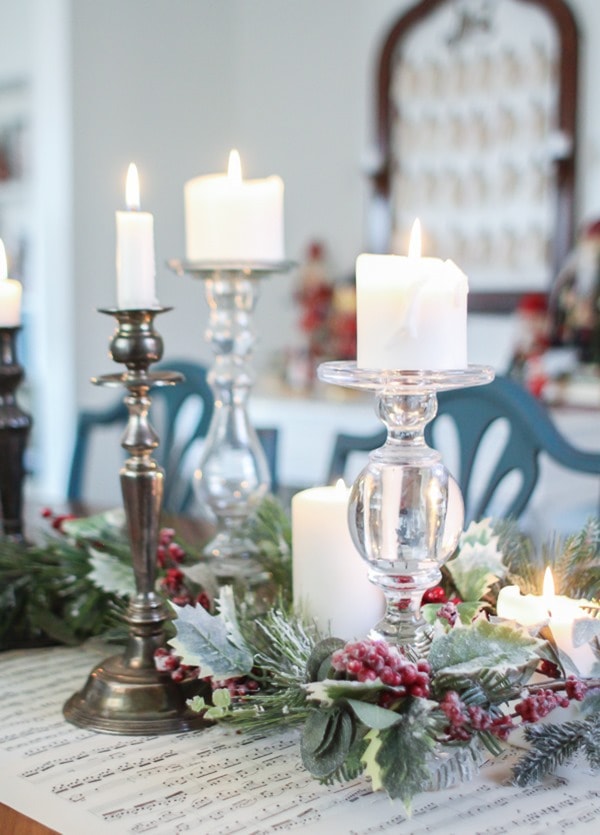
<point>125,693</point>
<point>233,474</point>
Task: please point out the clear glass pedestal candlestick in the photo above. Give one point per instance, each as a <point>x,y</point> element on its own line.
<point>406,511</point>
<point>233,474</point>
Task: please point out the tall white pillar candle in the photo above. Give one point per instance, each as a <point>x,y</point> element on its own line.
<point>136,269</point>
<point>411,312</point>
<point>10,295</point>
<point>231,219</point>
<point>329,576</point>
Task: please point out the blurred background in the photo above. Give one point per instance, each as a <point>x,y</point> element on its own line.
<point>87,87</point>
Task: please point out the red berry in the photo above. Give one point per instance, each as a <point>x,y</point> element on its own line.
<point>434,595</point>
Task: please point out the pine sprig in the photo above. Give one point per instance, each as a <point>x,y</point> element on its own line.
<point>554,745</point>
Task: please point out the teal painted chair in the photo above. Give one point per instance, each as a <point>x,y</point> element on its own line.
<point>512,455</point>
<point>181,415</point>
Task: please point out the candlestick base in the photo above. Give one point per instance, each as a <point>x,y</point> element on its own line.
<point>233,475</point>
<point>405,511</point>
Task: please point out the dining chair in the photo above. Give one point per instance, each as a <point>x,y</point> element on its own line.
<point>498,432</point>
<point>181,414</point>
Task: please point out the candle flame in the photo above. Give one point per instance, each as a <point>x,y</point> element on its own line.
<point>414,247</point>
<point>340,484</point>
<point>234,169</point>
<point>3,264</point>
<point>132,188</point>
<point>548,590</point>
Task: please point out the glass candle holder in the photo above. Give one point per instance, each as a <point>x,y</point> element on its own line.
<point>405,512</point>
<point>233,474</point>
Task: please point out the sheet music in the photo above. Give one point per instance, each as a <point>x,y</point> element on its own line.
<point>217,782</point>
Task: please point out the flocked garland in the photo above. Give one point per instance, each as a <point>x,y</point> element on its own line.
<point>411,719</point>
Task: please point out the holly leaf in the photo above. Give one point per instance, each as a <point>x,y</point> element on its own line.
<point>318,666</point>
<point>330,690</point>
<point>396,758</point>
<point>374,716</point>
<point>478,564</point>
<point>111,574</point>
<point>467,650</point>
<point>326,740</point>
<point>205,640</point>
<point>227,612</point>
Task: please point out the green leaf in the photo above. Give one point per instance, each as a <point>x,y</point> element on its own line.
<point>227,612</point>
<point>331,690</point>
<point>467,650</point>
<point>374,716</point>
<point>397,757</point>
<point>111,574</point>
<point>326,740</point>
<point>221,697</point>
<point>203,640</point>
<point>478,564</point>
<point>467,612</point>
<point>319,661</point>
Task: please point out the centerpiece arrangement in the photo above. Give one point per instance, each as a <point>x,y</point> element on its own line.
<point>468,650</point>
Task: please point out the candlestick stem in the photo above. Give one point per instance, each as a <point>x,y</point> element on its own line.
<point>127,694</point>
<point>15,426</point>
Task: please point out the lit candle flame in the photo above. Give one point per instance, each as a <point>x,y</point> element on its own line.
<point>340,484</point>
<point>234,169</point>
<point>3,264</point>
<point>548,590</point>
<point>414,246</point>
<point>132,188</point>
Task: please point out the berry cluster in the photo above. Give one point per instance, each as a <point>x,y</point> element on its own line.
<point>238,687</point>
<point>465,720</point>
<point>169,556</point>
<point>549,669</point>
<point>169,552</point>
<point>57,519</point>
<point>575,688</point>
<point>166,661</point>
<point>374,659</point>
<point>539,704</point>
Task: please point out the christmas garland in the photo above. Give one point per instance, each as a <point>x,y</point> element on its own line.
<point>407,720</point>
<point>422,717</point>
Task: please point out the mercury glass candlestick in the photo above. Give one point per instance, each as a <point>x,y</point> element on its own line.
<point>233,475</point>
<point>126,694</point>
<point>406,511</point>
<point>15,426</point>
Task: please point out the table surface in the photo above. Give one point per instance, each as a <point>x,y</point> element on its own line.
<point>216,781</point>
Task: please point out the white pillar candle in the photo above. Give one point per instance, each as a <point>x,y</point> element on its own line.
<point>136,269</point>
<point>329,577</point>
<point>10,295</point>
<point>526,609</point>
<point>411,312</point>
<point>561,613</point>
<point>231,219</point>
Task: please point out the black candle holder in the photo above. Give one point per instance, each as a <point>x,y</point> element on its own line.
<point>15,426</point>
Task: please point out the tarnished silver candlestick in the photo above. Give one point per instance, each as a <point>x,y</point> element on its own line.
<point>125,693</point>
<point>15,426</point>
<point>233,474</point>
